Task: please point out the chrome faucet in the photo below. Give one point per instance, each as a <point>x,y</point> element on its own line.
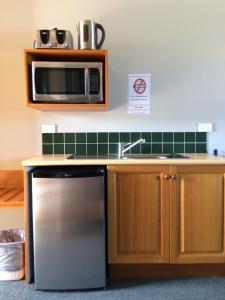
<point>122,150</point>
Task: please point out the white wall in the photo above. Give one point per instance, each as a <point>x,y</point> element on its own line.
<point>11,218</point>
<point>180,42</point>
<point>19,132</point>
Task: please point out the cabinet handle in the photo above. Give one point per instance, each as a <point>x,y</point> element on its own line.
<point>174,177</point>
<point>166,176</point>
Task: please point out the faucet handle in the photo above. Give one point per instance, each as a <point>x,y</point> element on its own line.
<point>123,144</point>
<point>126,144</point>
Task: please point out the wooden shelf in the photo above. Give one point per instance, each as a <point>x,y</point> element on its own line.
<point>11,189</point>
<point>11,197</point>
<point>65,55</point>
<point>67,107</point>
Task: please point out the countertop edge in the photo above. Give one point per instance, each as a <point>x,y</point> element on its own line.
<point>61,160</point>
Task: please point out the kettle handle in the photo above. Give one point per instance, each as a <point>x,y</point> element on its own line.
<point>100,27</point>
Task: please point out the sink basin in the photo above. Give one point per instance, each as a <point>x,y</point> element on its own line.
<point>154,156</point>
<point>144,156</point>
<point>129,156</point>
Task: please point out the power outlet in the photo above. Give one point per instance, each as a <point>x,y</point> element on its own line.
<point>205,127</point>
<point>49,128</point>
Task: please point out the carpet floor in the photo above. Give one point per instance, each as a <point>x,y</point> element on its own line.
<point>212,288</point>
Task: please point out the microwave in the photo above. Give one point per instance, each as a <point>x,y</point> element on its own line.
<point>67,82</point>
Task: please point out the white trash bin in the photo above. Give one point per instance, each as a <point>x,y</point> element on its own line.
<point>12,254</point>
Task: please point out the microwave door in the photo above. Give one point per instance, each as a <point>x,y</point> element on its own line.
<point>55,84</point>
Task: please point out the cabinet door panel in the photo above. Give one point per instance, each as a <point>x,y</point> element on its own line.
<point>138,211</point>
<point>197,219</point>
<point>138,216</point>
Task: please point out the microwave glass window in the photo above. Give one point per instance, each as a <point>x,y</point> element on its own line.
<point>60,81</point>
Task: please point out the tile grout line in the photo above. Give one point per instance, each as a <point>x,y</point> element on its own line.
<point>75,139</point>
<point>140,145</point>
<point>151,142</point>
<point>173,142</point>
<point>195,143</point>
<point>129,141</point>
<point>64,142</point>
<point>53,139</point>
<point>86,142</point>
<point>108,142</point>
<point>97,143</point>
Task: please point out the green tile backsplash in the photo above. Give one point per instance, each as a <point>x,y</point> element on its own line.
<point>91,137</point>
<point>104,143</point>
<point>70,138</point>
<point>113,137</point>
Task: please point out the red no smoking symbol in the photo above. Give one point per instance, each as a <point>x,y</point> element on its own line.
<point>139,86</point>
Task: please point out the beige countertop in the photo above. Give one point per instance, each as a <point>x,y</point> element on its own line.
<point>61,160</point>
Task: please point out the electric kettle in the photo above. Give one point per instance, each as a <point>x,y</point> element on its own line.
<point>88,35</point>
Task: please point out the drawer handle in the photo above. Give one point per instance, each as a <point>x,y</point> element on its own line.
<point>174,177</point>
<point>166,176</point>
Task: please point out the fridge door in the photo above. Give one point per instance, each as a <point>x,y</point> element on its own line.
<point>69,232</point>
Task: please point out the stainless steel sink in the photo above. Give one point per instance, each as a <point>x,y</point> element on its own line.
<point>154,156</point>
<point>129,156</point>
<point>144,156</point>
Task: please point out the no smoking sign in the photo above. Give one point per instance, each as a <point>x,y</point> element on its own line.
<point>139,86</point>
<point>139,92</point>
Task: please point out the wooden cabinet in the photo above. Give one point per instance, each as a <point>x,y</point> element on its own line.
<point>65,55</point>
<point>162,214</point>
<point>197,215</point>
<point>138,214</point>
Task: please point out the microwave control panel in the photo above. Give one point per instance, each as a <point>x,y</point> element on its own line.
<point>94,81</point>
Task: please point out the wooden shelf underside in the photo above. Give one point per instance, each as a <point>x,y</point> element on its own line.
<point>11,189</point>
<point>11,197</point>
<point>68,107</point>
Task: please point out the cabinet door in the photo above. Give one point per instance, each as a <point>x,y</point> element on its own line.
<point>197,214</point>
<point>138,211</point>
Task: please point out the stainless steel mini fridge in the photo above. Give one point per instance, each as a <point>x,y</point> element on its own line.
<point>69,227</point>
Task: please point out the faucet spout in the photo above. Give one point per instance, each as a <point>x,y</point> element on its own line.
<point>122,149</point>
